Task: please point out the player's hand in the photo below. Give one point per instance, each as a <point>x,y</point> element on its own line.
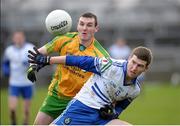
<point>38,58</point>
<point>108,112</point>
<point>31,73</point>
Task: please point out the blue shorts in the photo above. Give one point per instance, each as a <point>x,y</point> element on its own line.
<point>25,91</point>
<point>76,113</point>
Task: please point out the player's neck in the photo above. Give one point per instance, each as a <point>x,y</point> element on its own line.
<point>86,43</point>
<point>129,79</point>
<point>19,45</point>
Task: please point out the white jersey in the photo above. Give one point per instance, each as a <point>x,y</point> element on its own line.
<point>18,64</point>
<point>109,86</point>
<point>119,52</point>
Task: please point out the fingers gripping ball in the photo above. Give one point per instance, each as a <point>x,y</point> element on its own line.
<point>58,22</point>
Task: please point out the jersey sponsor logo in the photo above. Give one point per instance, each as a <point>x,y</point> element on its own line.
<point>113,84</point>
<point>67,121</point>
<point>105,60</point>
<point>117,92</point>
<point>75,70</point>
<point>121,90</point>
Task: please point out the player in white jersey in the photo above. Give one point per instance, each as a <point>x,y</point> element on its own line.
<point>120,49</point>
<point>107,93</point>
<point>15,64</point>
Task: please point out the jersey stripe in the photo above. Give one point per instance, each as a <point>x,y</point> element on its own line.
<point>50,46</point>
<point>101,49</point>
<point>105,67</point>
<point>95,84</point>
<point>95,53</point>
<point>64,45</point>
<point>71,35</point>
<point>98,94</point>
<point>138,83</point>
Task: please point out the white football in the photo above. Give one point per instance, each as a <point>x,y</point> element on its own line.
<point>58,22</point>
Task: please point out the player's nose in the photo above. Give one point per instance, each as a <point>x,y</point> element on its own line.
<point>134,67</point>
<point>84,27</point>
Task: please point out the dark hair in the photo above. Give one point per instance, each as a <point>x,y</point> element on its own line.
<point>143,53</point>
<point>90,15</point>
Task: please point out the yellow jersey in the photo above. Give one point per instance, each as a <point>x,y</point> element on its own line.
<point>68,80</point>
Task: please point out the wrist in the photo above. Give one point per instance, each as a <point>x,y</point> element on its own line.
<point>49,60</point>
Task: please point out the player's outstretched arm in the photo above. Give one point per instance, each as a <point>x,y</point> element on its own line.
<point>83,62</point>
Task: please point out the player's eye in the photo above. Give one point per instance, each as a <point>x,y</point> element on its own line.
<point>81,24</point>
<point>140,65</point>
<point>90,25</point>
<point>133,62</point>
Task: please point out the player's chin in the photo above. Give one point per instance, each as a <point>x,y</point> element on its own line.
<point>118,122</point>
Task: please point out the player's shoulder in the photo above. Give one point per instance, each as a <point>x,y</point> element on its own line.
<point>28,46</point>
<point>137,89</point>
<point>66,37</point>
<point>10,48</point>
<point>119,62</point>
<point>99,48</point>
<point>97,44</point>
<point>71,34</point>
<point>109,59</point>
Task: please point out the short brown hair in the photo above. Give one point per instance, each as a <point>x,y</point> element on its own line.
<point>143,53</point>
<point>90,15</point>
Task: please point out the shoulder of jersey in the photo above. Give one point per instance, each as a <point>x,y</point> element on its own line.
<point>29,44</point>
<point>10,47</point>
<point>71,34</point>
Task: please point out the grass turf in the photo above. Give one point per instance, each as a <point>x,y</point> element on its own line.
<point>157,104</point>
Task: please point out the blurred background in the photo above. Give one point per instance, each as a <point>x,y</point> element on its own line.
<point>151,23</point>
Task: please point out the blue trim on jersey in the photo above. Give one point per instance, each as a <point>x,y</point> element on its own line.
<point>125,71</point>
<point>138,83</point>
<point>95,84</point>
<point>84,62</point>
<point>99,94</point>
<point>117,64</point>
<point>97,65</point>
<point>133,81</point>
<point>6,67</point>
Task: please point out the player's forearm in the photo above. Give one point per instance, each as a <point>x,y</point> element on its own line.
<point>43,50</point>
<point>71,60</point>
<point>58,60</point>
<point>121,105</point>
<point>83,62</point>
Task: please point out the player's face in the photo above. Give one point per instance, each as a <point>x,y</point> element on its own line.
<point>86,28</point>
<point>18,38</point>
<point>135,67</point>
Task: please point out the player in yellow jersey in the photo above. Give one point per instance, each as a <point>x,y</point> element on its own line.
<point>68,80</point>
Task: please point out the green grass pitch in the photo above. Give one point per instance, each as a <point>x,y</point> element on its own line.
<point>157,104</point>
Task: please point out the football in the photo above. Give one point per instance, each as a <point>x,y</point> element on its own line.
<point>58,22</point>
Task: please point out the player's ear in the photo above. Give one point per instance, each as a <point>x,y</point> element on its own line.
<point>147,67</point>
<point>97,28</point>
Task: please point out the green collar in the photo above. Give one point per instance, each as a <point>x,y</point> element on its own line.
<point>81,47</point>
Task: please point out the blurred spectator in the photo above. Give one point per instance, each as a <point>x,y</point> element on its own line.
<point>120,49</point>
<point>14,66</point>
